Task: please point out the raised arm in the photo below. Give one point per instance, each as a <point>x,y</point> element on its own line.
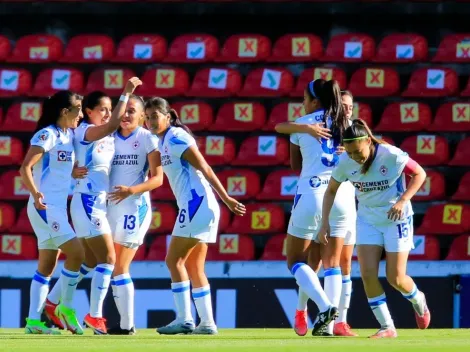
<point>32,157</point>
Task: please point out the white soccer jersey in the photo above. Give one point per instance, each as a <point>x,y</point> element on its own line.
<point>97,157</point>
<point>52,174</point>
<point>130,165</point>
<point>380,187</point>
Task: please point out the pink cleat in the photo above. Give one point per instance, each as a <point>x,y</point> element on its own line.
<point>300,326</point>
<point>422,320</point>
<point>343,329</point>
<point>385,333</point>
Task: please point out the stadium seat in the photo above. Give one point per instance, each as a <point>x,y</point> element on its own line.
<point>197,115</point>
<point>454,48</point>
<point>89,48</point>
<point>267,82</point>
<point>163,217</point>
<point>11,151</point>
<point>37,48</point>
<point>460,248</point>
<point>5,47</point>
<point>326,73</point>
<point>232,247</point>
<point>446,219</point>
<point>110,81</point>
<point>402,48</point>
<point>245,48</point>
<point>164,82</point>
<point>350,47</point>
<point>452,117</point>
<point>462,154</point>
<point>427,150</point>
<point>18,247</point>
<point>240,117</point>
<point>363,111</point>
<point>22,224</point>
<point>386,139</point>
<point>280,185</point>
<point>426,248</point>
<point>284,112</point>
<point>241,184</point>
<point>301,47</point>
<point>217,150</point>
<point>262,151</point>
<point>260,218</point>
<point>225,217</point>
<point>14,82</point>
<point>158,248</point>
<point>433,188</point>
<point>405,117</point>
<point>140,254</point>
<point>374,82</point>
<point>432,83</point>
<point>193,48</point>
<point>275,248</point>
<point>463,190</point>
<point>51,80</point>
<point>7,216</point>
<point>466,91</point>
<point>163,192</point>
<point>22,116</point>
<point>215,83</point>
<point>141,48</point>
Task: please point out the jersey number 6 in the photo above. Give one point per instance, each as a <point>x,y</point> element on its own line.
<point>182,216</point>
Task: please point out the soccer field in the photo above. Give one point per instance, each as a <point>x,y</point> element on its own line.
<point>238,340</point>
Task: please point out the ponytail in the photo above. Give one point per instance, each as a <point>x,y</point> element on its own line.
<point>176,122</point>
<point>164,107</point>
<point>357,131</point>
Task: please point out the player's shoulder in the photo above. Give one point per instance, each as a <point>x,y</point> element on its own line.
<point>390,150</point>
<point>314,117</point>
<point>177,135</point>
<point>44,134</point>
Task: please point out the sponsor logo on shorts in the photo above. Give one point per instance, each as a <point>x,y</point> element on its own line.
<point>316,182</point>
<point>96,222</point>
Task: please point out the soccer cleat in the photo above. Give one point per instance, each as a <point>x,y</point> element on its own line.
<point>210,329</point>
<point>300,322</point>
<point>49,309</point>
<point>422,314</point>
<point>176,327</point>
<point>116,330</point>
<point>323,319</point>
<point>37,327</point>
<point>69,319</point>
<point>98,325</point>
<point>385,332</point>
<point>343,329</point>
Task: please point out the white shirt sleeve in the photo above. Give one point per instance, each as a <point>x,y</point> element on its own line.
<point>79,134</point>
<point>179,142</point>
<point>44,139</point>
<point>294,138</point>
<point>402,159</point>
<point>151,143</point>
<point>339,172</point>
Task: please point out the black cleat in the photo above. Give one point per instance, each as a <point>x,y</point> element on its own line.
<point>322,321</point>
<point>116,330</point>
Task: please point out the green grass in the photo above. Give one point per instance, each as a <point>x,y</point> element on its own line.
<point>238,340</point>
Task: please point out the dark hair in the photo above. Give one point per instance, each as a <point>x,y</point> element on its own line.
<point>348,93</point>
<point>359,129</point>
<point>139,99</point>
<point>163,106</point>
<point>53,106</point>
<point>329,95</point>
<point>91,101</point>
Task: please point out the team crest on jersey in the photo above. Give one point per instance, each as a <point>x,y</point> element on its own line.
<point>55,226</point>
<point>63,155</point>
<point>136,144</point>
<point>43,136</point>
<point>96,222</point>
<point>383,170</point>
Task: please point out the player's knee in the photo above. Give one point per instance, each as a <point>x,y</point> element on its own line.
<point>345,264</point>
<point>369,274</point>
<point>395,280</point>
<point>111,258</point>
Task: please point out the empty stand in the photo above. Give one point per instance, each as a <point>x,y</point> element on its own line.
<point>240,117</point>
<point>216,82</point>
<point>462,154</point>
<point>18,247</point>
<point>326,73</point>
<point>240,183</point>
<point>5,47</point>
<point>432,83</point>
<point>446,219</point>
<point>433,188</point>
<point>280,185</point>
<point>454,48</point>
<point>91,48</point>
<point>364,112</point>
<point>350,47</point>
<point>463,190</point>
<point>217,150</point>
<point>268,82</point>
<point>401,48</point>
<point>52,80</point>
<point>163,218</point>
<point>164,82</point>
<point>405,116</point>
<point>425,248</point>
<point>22,224</point>
<point>141,48</point>
<point>374,82</point>
<point>260,218</point>
<point>460,248</point>
<point>245,48</point>
<point>427,150</point>
<point>11,151</point>
<point>284,112</point>
<point>35,48</point>
<point>232,247</point>
<point>275,248</point>
<point>7,216</point>
<point>15,82</point>
<point>300,47</point>
<point>22,116</point>
<point>197,115</point>
<point>192,48</point>
<point>110,81</point>
<point>262,151</point>
<point>452,117</point>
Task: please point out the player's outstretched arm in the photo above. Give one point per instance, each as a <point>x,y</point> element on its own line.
<point>32,157</point>
<point>316,130</point>
<point>328,200</point>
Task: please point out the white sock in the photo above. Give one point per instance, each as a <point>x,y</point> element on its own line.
<point>54,295</point>
<point>302,300</point>
<point>345,299</point>
<point>68,282</point>
<point>125,293</point>
<point>203,302</point>
<point>182,300</point>
<point>308,281</point>
<point>99,288</point>
<point>416,297</point>
<point>380,309</point>
<point>38,295</point>
<point>115,295</point>
<point>333,289</point>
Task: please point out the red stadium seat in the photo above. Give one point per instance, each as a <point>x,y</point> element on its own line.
<point>18,247</point>
<point>364,112</point>
<point>232,247</point>
<point>427,150</point>
<point>163,192</point>
<point>374,82</point>
<point>7,216</point>
<point>426,248</point>
<point>164,82</point>
<point>163,218</point>
<point>52,80</point>
<point>326,73</point>
<point>12,186</point>
<point>140,48</point>
<point>351,47</point>
<point>242,184</point>
<point>463,191</point>
<point>460,248</point>
<point>452,117</point>
<point>158,248</point>
<point>280,185</point>
<point>401,48</point>
<point>386,139</point>
<point>89,48</point>
<point>22,224</point>
<point>262,151</point>
<point>141,254</point>
<point>297,48</point>
<point>110,81</point>
<point>275,248</point>
<point>433,188</point>
<point>240,117</point>
<point>446,219</point>
<point>14,82</point>
<point>11,151</point>
<point>284,112</point>
<point>245,48</point>
<point>268,82</point>
<point>454,48</point>
<point>260,218</point>
<point>462,154</point>
<point>37,48</point>
<point>215,83</point>
<point>217,150</point>
<point>22,116</point>
<point>405,117</point>
<point>432,83</point>
<point>466,91</point>
<point>225,217</point>
<point>189,48</point>
<point>5,47</point>
<point>197,115</point>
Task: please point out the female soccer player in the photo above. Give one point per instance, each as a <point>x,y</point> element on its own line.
<point>130,210</point>
<point>47,173</point>
<point>384,218</point>
<point>316,159</point>
<point>197,223</point>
